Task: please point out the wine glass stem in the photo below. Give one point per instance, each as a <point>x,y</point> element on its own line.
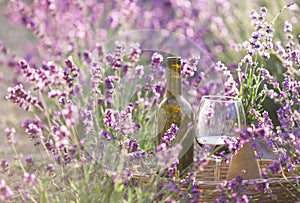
<point>217,169</point>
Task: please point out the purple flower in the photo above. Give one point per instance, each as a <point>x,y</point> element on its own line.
<point>105,134</point>
<point>115,59</point>
<point>121,121</point>
<point>201,163</point>
<point>188,70</point>
<point>296,56</point>
<point>29,73</point>
<point>54,93</point>
<point>132,145</point>
<point>4,165</point>
<point>109,82</point>
<point>70,114</point>
<point>96,80</point>
<point>135,53</point>
<point>61,135</point>
<point>49,168</point>
<point>170,200</point>
<point>49,145</point>
<point>10,135</point>
<point>87,120</point>
<point>19,96</point>
<point>269,79</point>
<point>159,89</point>
<point>230,85</point>
<point>256,35</point>
<point>209,113</point>
<point>111,118</point>
<point>234,190</point>
<point>287,27</point>
<point>156,59</point>
<point>29,162</point>
<point>139,71</point>
<point>285,117</point>
<point>272,94</point>
<point>261,186</point>
<point>5,192</point>
<point>248,59</point>
<point>72,67</point>
<point>148,82</point>
<point>275,167</point>
<point>33,128</point>
<point>29,179</point>
<point>168,137</point>
<point>166,156</point>
<point>67,154</point>
<point>127,126</point>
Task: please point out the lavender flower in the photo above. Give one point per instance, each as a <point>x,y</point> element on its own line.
<point>132,145</point>
<point>61,135</point>
<point>49,168</point>
<point>70,113</point>
<point>148,82</point>
<point>159,89</point>
<point>50,146</point>
<point>10,135</point>
<point>48,75</point>
<point>105,134</point>
<point>135,53</point>
<point>33,128</point>
<point>170,200</point>
<point>166,156</point>
<point>96,80</point>
<point>109,82</point>
<point>29,162</point>
<point>4,165</point>
<point>111,119</point>
<point>5,192</point>
<point>268,78</point>
<point>237,189</point>
<point>46,19</point>
<point>115,60</point>
<point>156,59</point>
<point>121,121</point>
<point>230,84</point>
<point>29,73</point>
<point>287,27</point>
<point>87,120</point>
<point>201,163</point>
<point>20,97</point>
<point>29,179</point>
<point>275,167</point>
<point>127,126</point>
<point>139,71</point>
<point>188,70</point>
<point>168,137</point>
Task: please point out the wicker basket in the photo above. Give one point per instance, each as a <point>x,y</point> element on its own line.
<point>280,189</point>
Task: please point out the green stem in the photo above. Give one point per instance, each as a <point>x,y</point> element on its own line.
<point>280,11</point>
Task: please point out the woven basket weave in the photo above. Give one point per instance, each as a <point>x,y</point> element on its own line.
<point>280,189</point>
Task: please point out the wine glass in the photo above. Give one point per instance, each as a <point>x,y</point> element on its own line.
<point>218,119</point>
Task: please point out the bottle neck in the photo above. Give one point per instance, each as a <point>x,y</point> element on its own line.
<point>173,78</point>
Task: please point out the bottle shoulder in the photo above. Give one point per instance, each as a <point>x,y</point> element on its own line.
<point>178,102</point>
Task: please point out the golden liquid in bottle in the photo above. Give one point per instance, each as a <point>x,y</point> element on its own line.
<point>175,109</point>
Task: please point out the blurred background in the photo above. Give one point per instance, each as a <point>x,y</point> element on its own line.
<point>42,30</point>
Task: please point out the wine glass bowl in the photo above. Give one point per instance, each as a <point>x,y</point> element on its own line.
<point>218,119</point>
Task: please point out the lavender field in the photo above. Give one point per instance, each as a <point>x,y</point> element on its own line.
<point>81,82</point>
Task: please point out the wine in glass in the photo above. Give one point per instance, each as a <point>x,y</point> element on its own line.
<point>218,119</point>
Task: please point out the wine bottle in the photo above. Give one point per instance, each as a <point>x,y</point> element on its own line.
<point>174,109</point>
